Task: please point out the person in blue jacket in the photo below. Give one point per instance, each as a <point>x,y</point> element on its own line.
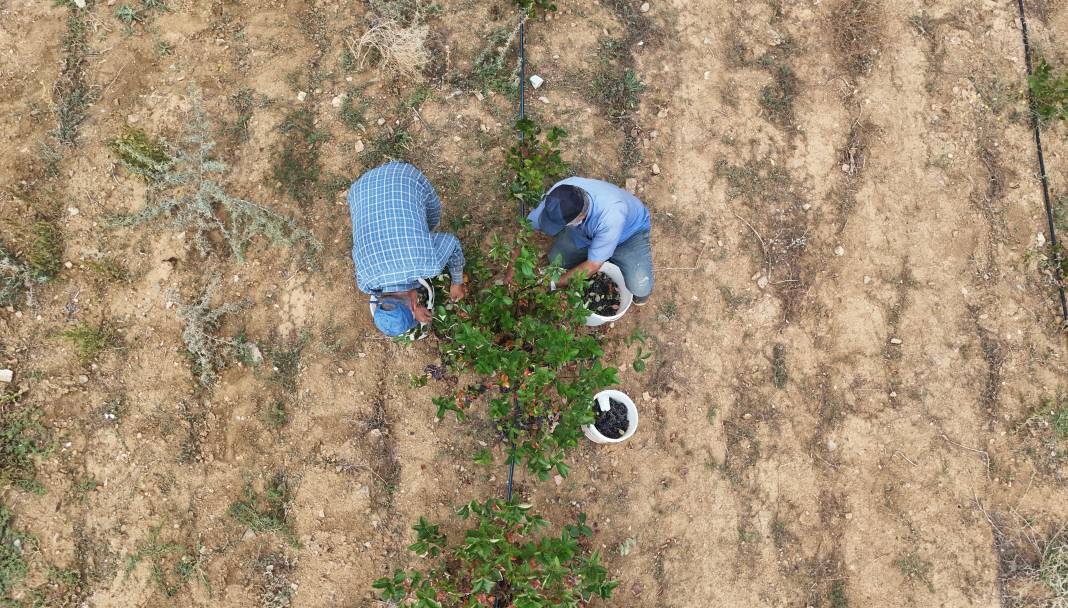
<point>394,211</point>
<point>596,222</point>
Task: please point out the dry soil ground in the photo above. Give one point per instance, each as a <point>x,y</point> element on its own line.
<point>852,334</point>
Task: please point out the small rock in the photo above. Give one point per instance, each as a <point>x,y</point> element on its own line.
<point>249,535</point>
<point>1040,239</point>
<point>762,282</point>
<point>656,169</point>
<point>73,211</point>
<point>543,99</point>
<point>662,113</point>
<point>536,81</point>
<point>558,479</point>
<point>375,432</point>
<point>79,3</point>
<point>832,445</point>
<point>6,375</point>
<point>644,7</point>
<point>646,397</point>
<point>322,514</point>
<point>381,121</point>
<point>82,379</point>
<point>68,264</point>
<point>359,146</point>
<point>631,184</point>
<point>337,101</point>
<point>895,340</point>
<point>839,251</point>
<point>479,96</point>
<point>255,354</point>
<point>867,280</point>
<point>301,96</point>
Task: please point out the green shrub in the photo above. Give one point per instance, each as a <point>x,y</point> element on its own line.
<point>90,340</point>
<point>535,161</point>
<point>141,154</point>
<point>269,511</point>
<point>502,558</point>
<point>1050,91</point>
<point>22,440</point>
<point>12,563</point>
<point>532,7</point>
<point>538,368</point>
<point>171,565</point>
<point>298,166</point>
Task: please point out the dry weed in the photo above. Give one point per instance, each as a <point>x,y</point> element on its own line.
<point>857,33</point>
<point>399,48</point>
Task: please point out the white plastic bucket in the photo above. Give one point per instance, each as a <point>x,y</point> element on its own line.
<point>415,332</point>
<point>600,400</point>
<point>625,296</point>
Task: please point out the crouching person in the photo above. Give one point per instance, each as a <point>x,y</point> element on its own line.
<point>595,222</point>
<point>394,211</point>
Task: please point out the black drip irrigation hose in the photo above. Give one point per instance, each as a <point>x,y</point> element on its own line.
<point>1043,176</point>
<point>523,210</point>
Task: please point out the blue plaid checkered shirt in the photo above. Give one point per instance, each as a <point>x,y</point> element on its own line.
<point>393,209</point>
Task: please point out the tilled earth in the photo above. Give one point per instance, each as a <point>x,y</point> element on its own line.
<point>855,347</point>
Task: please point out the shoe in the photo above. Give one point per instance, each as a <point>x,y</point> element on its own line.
<point>640,301</point>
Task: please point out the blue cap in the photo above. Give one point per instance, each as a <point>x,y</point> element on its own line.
<point>393,317</point>
<point>562,205</point>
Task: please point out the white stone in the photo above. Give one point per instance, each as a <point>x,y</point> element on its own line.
<point>337,101</point>
<point>73,211</point>
<point>79,3</point>
<point>255,354</point>
<point>359,146</point>
<point>762,282</point>
<point>301,96</point>
<point>656,169</point>
<point>6,375</point>
<point>631,184</point>
<point>895,340</point>
<point>536,81</point>
<point>543,99</point>
<point>839,251</point>
<point>644,7</point>
<point>867,280</point>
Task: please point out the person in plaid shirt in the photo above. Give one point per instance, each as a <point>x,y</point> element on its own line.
<point>394,210</point>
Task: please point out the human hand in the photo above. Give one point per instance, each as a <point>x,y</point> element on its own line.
<point>422,314</point>
<point>457,292</point>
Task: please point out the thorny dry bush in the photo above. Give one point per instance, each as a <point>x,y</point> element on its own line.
<point>205,348</point>
<point>184,189</point>
<point>857,32</point>
<point>396,39</point>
